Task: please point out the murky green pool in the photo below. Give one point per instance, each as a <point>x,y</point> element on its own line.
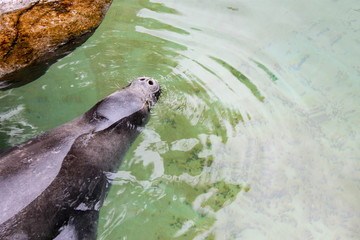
<point>257,132</point>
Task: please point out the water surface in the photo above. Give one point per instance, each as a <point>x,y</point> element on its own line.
<point>256,134</point>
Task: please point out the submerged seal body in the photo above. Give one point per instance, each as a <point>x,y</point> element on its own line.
<point>52,186</point>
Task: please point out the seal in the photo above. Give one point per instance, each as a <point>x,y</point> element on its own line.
<point>53,185</point>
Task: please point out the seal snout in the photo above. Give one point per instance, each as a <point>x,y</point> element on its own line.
<point>150,85</point>
<point>150,81</point>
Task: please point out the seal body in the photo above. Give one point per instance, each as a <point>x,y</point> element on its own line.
<point>53,185</point>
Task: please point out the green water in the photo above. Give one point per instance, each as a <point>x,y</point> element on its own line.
<point>256,135</point>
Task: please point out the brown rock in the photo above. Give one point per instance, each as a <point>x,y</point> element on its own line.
<point>35,36</point>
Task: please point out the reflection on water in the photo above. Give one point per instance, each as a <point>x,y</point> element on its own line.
<point>255,136</point>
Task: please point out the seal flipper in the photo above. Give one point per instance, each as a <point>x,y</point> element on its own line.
<point>82,225</point>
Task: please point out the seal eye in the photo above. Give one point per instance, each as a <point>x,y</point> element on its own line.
<point>142,79</point>
<point>151,82</point>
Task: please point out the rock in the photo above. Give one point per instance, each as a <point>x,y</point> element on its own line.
<point>34,34</point>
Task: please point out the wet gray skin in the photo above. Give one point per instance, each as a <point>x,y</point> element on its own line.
<point>53,185</point>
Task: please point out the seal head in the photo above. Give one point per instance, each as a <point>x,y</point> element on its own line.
<point>140,94</point>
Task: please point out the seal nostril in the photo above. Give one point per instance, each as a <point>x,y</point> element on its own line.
<point>151,82</point>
